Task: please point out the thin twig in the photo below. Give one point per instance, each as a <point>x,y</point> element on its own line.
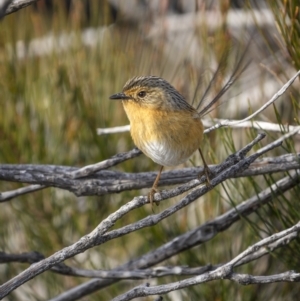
<point>91,169</point>
<point>8,195</point>
<point>17,5</point>
<point>225,271</point>
<point>229,123</point>
<point>3,7</point>
<point>113,130</point>
<point>208,123</point>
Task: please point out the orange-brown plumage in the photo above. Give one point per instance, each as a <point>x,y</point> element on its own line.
<point>162,124</point>
<point>179,133</point>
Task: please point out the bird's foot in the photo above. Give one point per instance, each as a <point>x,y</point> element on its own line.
<point>151,196</point>
<point>208,173</point>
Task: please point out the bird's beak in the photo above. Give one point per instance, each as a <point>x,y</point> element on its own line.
<point>120,96</point>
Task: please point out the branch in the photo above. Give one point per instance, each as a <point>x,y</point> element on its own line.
<point>17,5</point>
<point>195,237</point>
<point>113,130</point>
<point>262,108</point>
<point>237,124</point>
<point>29,257</point>
<point>223,272</point>
<point>107,181</point>
<point>91,169</point>
<point>3,7</point>
<point>119,273</point>
<point>8,195</point>
<point>245,279</point>
<point>98,237</point>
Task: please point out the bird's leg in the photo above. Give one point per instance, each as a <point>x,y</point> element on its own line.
<point>154,188</point>
<point>206,170</point>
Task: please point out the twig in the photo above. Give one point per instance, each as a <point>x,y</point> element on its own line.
<point>156,272</point>
<point>91,169</point>
<point>97,237</point>
<point>3,7</point>
<point>8,195</point>
<point>229,123</point>
<point>29,257</point>
<point>17,5</point>
<point>220,273</point>
<point>225,271</point>
<point>196,237</point>
<point>246,279</point>
<point>259,125</point>
<point>113,130</point>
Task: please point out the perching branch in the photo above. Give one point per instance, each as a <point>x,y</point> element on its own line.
<point>231,166</point>
<point>195,237</point>
<point>133,269</point>
<point>107,181</point>
<point>115,181</point>
<point>86,182</point>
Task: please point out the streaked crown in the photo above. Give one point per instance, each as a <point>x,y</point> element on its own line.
<point>155,92</point>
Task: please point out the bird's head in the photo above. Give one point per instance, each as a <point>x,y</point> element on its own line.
<point>152,92</point>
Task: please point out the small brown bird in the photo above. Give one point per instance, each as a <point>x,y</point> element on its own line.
<point>163,125</point>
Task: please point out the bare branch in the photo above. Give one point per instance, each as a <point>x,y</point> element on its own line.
<point>245,279</point>
<point>3,7</point>
<point>8,195</point>
<point>221,273</point>
<point>196,237</point>
<point>225,271</point>
<point>259,125</point>
<point>107,181</point>
<point>133,274</point>
<point>271,247</point>
<point>119,273</point>
<point>113,130</point>
<point>229,123</point>
<point>17,5</point>
<point>91,169</point>
<point>29,257</point>
<point>97,236</point>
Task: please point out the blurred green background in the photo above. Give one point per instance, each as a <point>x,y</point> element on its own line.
<point>53,100</point>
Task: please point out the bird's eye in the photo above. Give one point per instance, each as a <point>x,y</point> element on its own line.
<point>142,94</point>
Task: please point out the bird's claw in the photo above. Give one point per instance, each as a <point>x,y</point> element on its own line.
<point>151,196</point>
<point>207,172</point>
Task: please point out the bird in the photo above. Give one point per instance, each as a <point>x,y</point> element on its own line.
<point>163,125</point>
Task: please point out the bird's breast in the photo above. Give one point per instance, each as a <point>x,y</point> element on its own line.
<point>169,138</point>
